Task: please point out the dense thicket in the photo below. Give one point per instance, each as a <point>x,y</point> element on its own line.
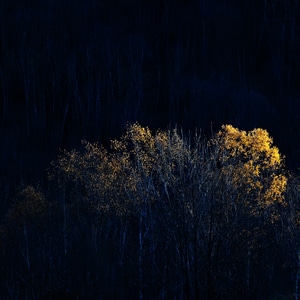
<point>158,216</point>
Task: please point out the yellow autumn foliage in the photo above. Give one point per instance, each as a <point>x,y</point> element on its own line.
<point>255,163</point>
<point>31,204</point>
<point>142,165</point>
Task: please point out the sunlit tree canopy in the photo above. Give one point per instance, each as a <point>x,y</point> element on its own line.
<point>250,165</point>
<point>253,163</point>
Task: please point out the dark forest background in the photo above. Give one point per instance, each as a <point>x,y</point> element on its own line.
<point>74,70</point>
<point>81,69</point>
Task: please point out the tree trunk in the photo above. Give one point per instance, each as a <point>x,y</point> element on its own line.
<point>297,276</point>
<point>141,258</point>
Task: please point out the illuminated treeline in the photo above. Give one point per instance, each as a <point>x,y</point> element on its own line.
<point>158,216</point>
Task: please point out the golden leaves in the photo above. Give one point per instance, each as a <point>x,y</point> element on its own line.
<point>32,203</point>
<point>276,189</point>
<point>116,179</point>
<point>256,145</point>
<point>257,164</point>
<point>141,165</point>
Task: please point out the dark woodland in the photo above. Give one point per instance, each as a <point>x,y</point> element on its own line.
<point>115,182</point>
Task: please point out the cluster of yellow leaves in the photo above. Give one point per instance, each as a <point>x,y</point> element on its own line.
<point>255,145</point>
<point>32,203</point>
<point>257,165</point>
<point>124,177</point>
<point>117,178</point>
<point>278,184</point>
